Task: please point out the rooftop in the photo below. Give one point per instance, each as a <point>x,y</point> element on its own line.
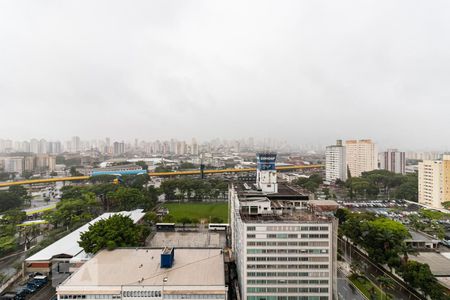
<point>288,205</point>
<point>68,245</point>
<point>418,236</point>
<point>439,264</point>
<point>194,266</point>
<point>188,239</point>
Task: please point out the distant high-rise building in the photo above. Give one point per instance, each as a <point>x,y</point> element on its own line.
<point>335,162</point>
<point>119,148</point>
<point>34,146</point>
<point>76,144</point>
<point>45,162</point>
<point>361,156</point>
<point>393,161</point>
<point>194,147</point>
<point>434,182</point>
<point>43,147</point>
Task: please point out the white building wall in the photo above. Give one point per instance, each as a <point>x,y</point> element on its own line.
<point>335,163</point>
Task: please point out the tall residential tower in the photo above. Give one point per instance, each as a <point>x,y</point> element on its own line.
<point>361,156</point>
<point>335,162</point>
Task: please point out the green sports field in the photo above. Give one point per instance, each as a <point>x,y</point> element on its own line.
<point>199,211</point>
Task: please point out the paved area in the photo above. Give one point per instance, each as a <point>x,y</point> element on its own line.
<point>188,239</point>
<point>439,264</point>
<point>346,290</point>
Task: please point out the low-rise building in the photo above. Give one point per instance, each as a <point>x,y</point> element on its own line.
<point>132,274</point>
<point>55,259</point>
<point>421,241</point>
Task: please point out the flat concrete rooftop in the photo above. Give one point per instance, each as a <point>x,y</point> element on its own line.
<point>202,239</point>
<point>142,267</point>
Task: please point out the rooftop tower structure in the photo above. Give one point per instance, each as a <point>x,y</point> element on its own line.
<point>266,174</point>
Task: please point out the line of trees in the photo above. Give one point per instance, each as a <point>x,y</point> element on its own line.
<point>79,204</point>
<point>194,189</point>
<point>383,182</point>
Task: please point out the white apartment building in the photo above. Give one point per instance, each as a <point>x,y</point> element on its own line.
<point>393,161</point>
<point>361,156</point>
<point>434,182</point>
<point>335,162</point>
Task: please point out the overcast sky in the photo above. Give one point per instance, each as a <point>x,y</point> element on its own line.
<point>305,71</point>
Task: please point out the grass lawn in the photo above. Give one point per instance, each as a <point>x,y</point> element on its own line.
<point>198,211</point>
<point>365,286</point>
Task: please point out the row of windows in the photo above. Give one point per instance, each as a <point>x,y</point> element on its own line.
<point>94,296</point>
<point>288,274</point>
<point>293,243</point>
<point>287,266</point>
<point>287,290</point>
<point>286,281</point>
<point>287,258</point>
<point>195,296</point>
<point>292,236</point>
<point>141,294</point>
<point>288,228</point>
<point>287,298</point>
<point>284,251</point>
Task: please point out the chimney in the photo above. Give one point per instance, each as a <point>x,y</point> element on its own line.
<point>167,257</point>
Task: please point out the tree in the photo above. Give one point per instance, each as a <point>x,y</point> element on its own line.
<point>419,276</point>
<point>386,282</point>
<point>21,193</point>
<point>18,191</point>
<point>216,220</point>
<point>73,171</point>
<point>73,212</point>
<point>184,221</point>
<point>116,231</point>
<point>150,218</point>
<point>72,192</point>
<point>408,189</point>
<point>125,198</point>
<point>9,201</point>
<point>142,164</point>
<point>27,174</point>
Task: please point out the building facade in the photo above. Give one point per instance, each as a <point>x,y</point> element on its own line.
<point>393,160</point>
<point>434,182</point>
<point>361,156</point>
<point>284,244</point>
<point>335,162</point>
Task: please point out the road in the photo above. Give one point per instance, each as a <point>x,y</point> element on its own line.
<point>372,271</point>
<point>46,293</point>
<point>345,289</point>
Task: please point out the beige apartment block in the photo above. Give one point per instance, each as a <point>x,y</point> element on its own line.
<point>434,182</point>
<point>361,156</point>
